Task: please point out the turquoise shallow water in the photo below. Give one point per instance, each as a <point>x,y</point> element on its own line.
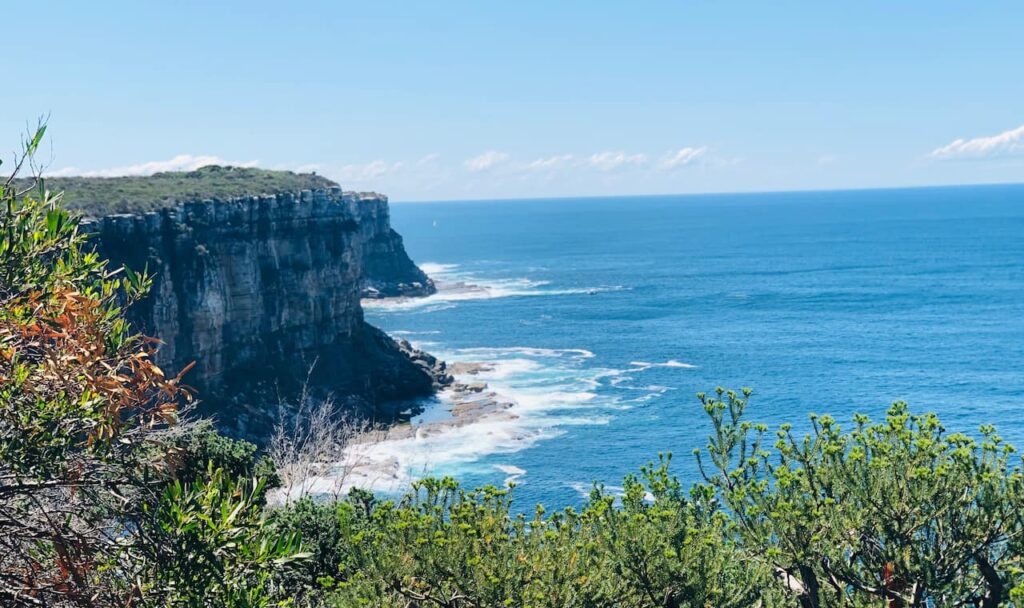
<point>603,317</point>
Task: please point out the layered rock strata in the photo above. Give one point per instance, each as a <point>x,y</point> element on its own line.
<point>263,294</point>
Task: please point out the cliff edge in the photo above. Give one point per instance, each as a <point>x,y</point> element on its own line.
<point>263,294</point>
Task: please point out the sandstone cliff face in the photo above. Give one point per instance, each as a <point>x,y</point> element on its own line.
<point>263,293</point>
<point>389,272</point>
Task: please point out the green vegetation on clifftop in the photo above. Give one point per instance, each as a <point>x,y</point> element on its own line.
<point>98,196</point>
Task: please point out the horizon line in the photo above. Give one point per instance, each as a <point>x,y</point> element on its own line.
<point>700,194</point>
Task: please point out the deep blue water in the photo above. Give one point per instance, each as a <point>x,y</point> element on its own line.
<point>605,316</point>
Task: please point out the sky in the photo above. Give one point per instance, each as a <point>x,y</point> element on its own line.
<point>476,100</point>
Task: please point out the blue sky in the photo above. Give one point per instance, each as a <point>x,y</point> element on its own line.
<point>466,100</point>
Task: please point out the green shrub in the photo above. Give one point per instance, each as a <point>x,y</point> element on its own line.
<point>201,446</point>
<point>90,511</point>
<point>897,511</point>
<point>209,546</point>
<point>445,546</point>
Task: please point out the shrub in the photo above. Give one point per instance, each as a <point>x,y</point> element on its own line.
<point>199,446</point>
<point>208,545</point>
<point>87,515</point>
<point>98,196</point>
<point>897,512</point>
<point>444,546</point>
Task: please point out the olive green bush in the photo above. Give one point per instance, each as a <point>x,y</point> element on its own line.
<point>98,196</point>
<point>98,507</point>
<point>209,545</point>
<point>442,545</point>
<point>898,512</point>
<point>197,445</point>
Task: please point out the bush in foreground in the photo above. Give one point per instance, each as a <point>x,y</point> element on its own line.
<point>895,513</point>
<point>97,507</point>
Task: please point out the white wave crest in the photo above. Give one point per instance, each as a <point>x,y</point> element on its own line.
<point>640,366</point>
<point>549,390</point>
<point>584,490</point>
<point>454,285</point>
<point>433,268</point>
<point>527,351</point>
<point>512,471</point>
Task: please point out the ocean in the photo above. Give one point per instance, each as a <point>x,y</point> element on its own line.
<point>603,317</point>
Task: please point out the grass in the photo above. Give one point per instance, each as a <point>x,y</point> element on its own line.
<point>98,196</point>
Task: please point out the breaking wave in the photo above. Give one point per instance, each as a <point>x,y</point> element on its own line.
<point>455,285</point>
<point>550,390</point>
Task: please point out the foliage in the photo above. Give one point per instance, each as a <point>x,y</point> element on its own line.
<point>78,395</point>
<point>445,546</point>
<point>209,545</point>
<point>200,446</point>
<point>897,511</point>
<point>87,497</point>
<point>98,196</point>
<point>678,552</point>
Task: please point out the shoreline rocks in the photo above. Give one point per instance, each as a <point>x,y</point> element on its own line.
<point>436,368</point>
<point>467,403</point>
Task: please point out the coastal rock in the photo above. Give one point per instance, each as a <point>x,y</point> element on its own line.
<point>263,294</point>
<point>459,368</point>
<point>389,273</point>
<point>437,369</point>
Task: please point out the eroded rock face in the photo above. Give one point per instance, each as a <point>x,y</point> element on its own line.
<point>389,271</point>
<point>262,293</point>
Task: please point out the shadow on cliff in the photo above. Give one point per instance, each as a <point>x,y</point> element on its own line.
<point>368,375</point>
<point>263,294</point>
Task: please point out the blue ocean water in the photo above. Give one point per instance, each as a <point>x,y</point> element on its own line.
<point>604,317</point>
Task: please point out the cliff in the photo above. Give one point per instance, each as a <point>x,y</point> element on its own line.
<point>263,292</point>
<point>388,270</point>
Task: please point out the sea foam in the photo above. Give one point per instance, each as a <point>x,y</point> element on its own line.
<point>455,285</point>
<point>551,390</point>
<point>645,365</point>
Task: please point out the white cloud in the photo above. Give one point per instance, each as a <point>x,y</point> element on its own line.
<point>607,161</point>
<point>181,162</point>
<point>550,162</point>
<point>367,172</point>
<point>492,172</point>
<point>682,157</point>
<point>487,160</point>
<point>827,159</point>
<point>1007,142</point>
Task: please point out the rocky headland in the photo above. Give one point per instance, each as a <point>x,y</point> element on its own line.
<point>263,294</point>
